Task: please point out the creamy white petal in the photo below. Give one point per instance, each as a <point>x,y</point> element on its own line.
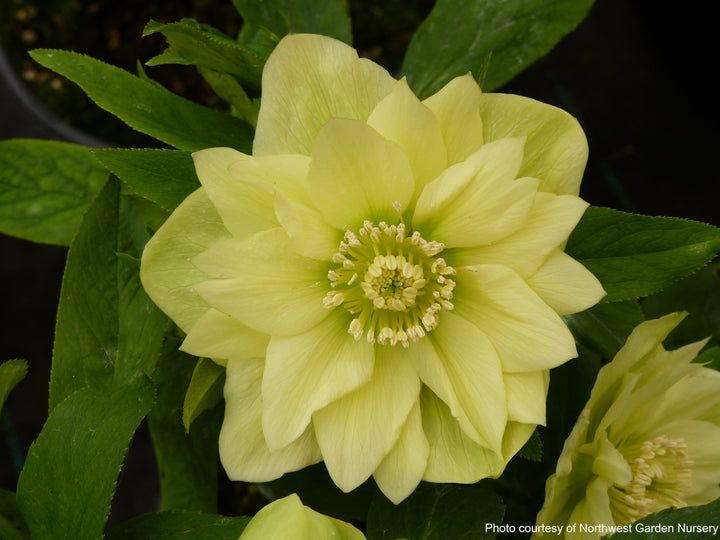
<point>308,80</point>
<point>457,108</point>
<point>525,332</point>
<point>566,285</point>
<point>357,431</point>
<point>453,456</point>
<point>474,372</point>
<point>268,287</point>
<point>222,337</point>
<point>166,272</point>
<point>304,373</point>
<point>401,117</point>
<point>556,150</point>
<point>402,469</point>
<point>550,221</point>
<point>526,396</point>
<point>356,174</point>
<point>243,450</point>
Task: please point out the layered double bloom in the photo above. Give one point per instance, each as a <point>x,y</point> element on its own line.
<point>383,278</point>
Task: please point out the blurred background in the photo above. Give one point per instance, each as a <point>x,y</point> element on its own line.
<point>640,78</point>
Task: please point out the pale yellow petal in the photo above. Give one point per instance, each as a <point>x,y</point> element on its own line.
<point>310,235</point>
<point>453,456</point>
<point>493,204</point>
<point>357,431</point>
<point>286,173</point>
<point>474,373</point>
<point>268,287</point>
<point>222,338</point>
<point>245,207</point>
<point>525,332</point>
<point>550,221</point>
<point>243,451</point>
<point>457,108</point>
<point>166,272</point>
<point>566,285</point>
<point>516,435</point>
<point>402,469</point>
<point>288,518</point>
<point>556,151</point>
<point>303,373</point>
<point>610,463</point>
<point>526,396</point>
<point>356,175</point>
<point>401,117</point>
<point>308,80</point>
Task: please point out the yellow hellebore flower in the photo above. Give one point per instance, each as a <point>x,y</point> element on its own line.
<point>648,438</point>
<point>383,278</point>
<point>288,518</point>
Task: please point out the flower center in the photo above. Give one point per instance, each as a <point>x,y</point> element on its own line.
<point>662,474</point>
<point>394,284</point>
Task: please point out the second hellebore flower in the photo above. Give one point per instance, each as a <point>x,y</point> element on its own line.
<point>648,438</point>
<point>383,278</point>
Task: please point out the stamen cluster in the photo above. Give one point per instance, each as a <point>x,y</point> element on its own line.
<point>662,474</point>
<point>393,283</point>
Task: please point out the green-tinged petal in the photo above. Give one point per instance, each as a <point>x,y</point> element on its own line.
<point>433,373</point>
<point>566,285</point>
<point>402,469</point>
<point>610,463</point>
<point>556,151</point>
<point>401,117</point>
<point>243,450</point>
<point>594,509</point>
<point>222,338</point>
<point>453,456</point>
<point>357,431</point>
<point>269,288</point>
<point>310,235</point>
<point>516,435</point>
<point>166,272</point>
<point>457,108</point>
<point>492,205</point>
<point>288,518</point>
<point>471,367</point>
<point>356,175</point>
<point>550,221</point>
<point>525,332</point>
<point>308,80</point>
<point>242,187</point>
<point>644,339</point>
<point>703,441</point>
<point>702,384</point>
<point>306,372</point>
<point>526,395</point>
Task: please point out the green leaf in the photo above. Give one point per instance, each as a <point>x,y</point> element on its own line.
<point>148,107</point>
<point>326,17</point>
<point>165,177</point>
<point>437,512</point>
<point>67,484</point>
<point>227,87</point>
<point>201,45</point>
<point>204,392</point>
<point>459,35</point>
<point>317,490</point>
<point>187,464</point>
<point>11,373</point>
<point>108,330</point>
<point>699,295</point>
<point>179,526</point>
<point>532,449</point>
<point>694,523</point>
<point>634,255</point>
<point>12,524</point>
<point>604,328</point>
<point>45,187</point>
